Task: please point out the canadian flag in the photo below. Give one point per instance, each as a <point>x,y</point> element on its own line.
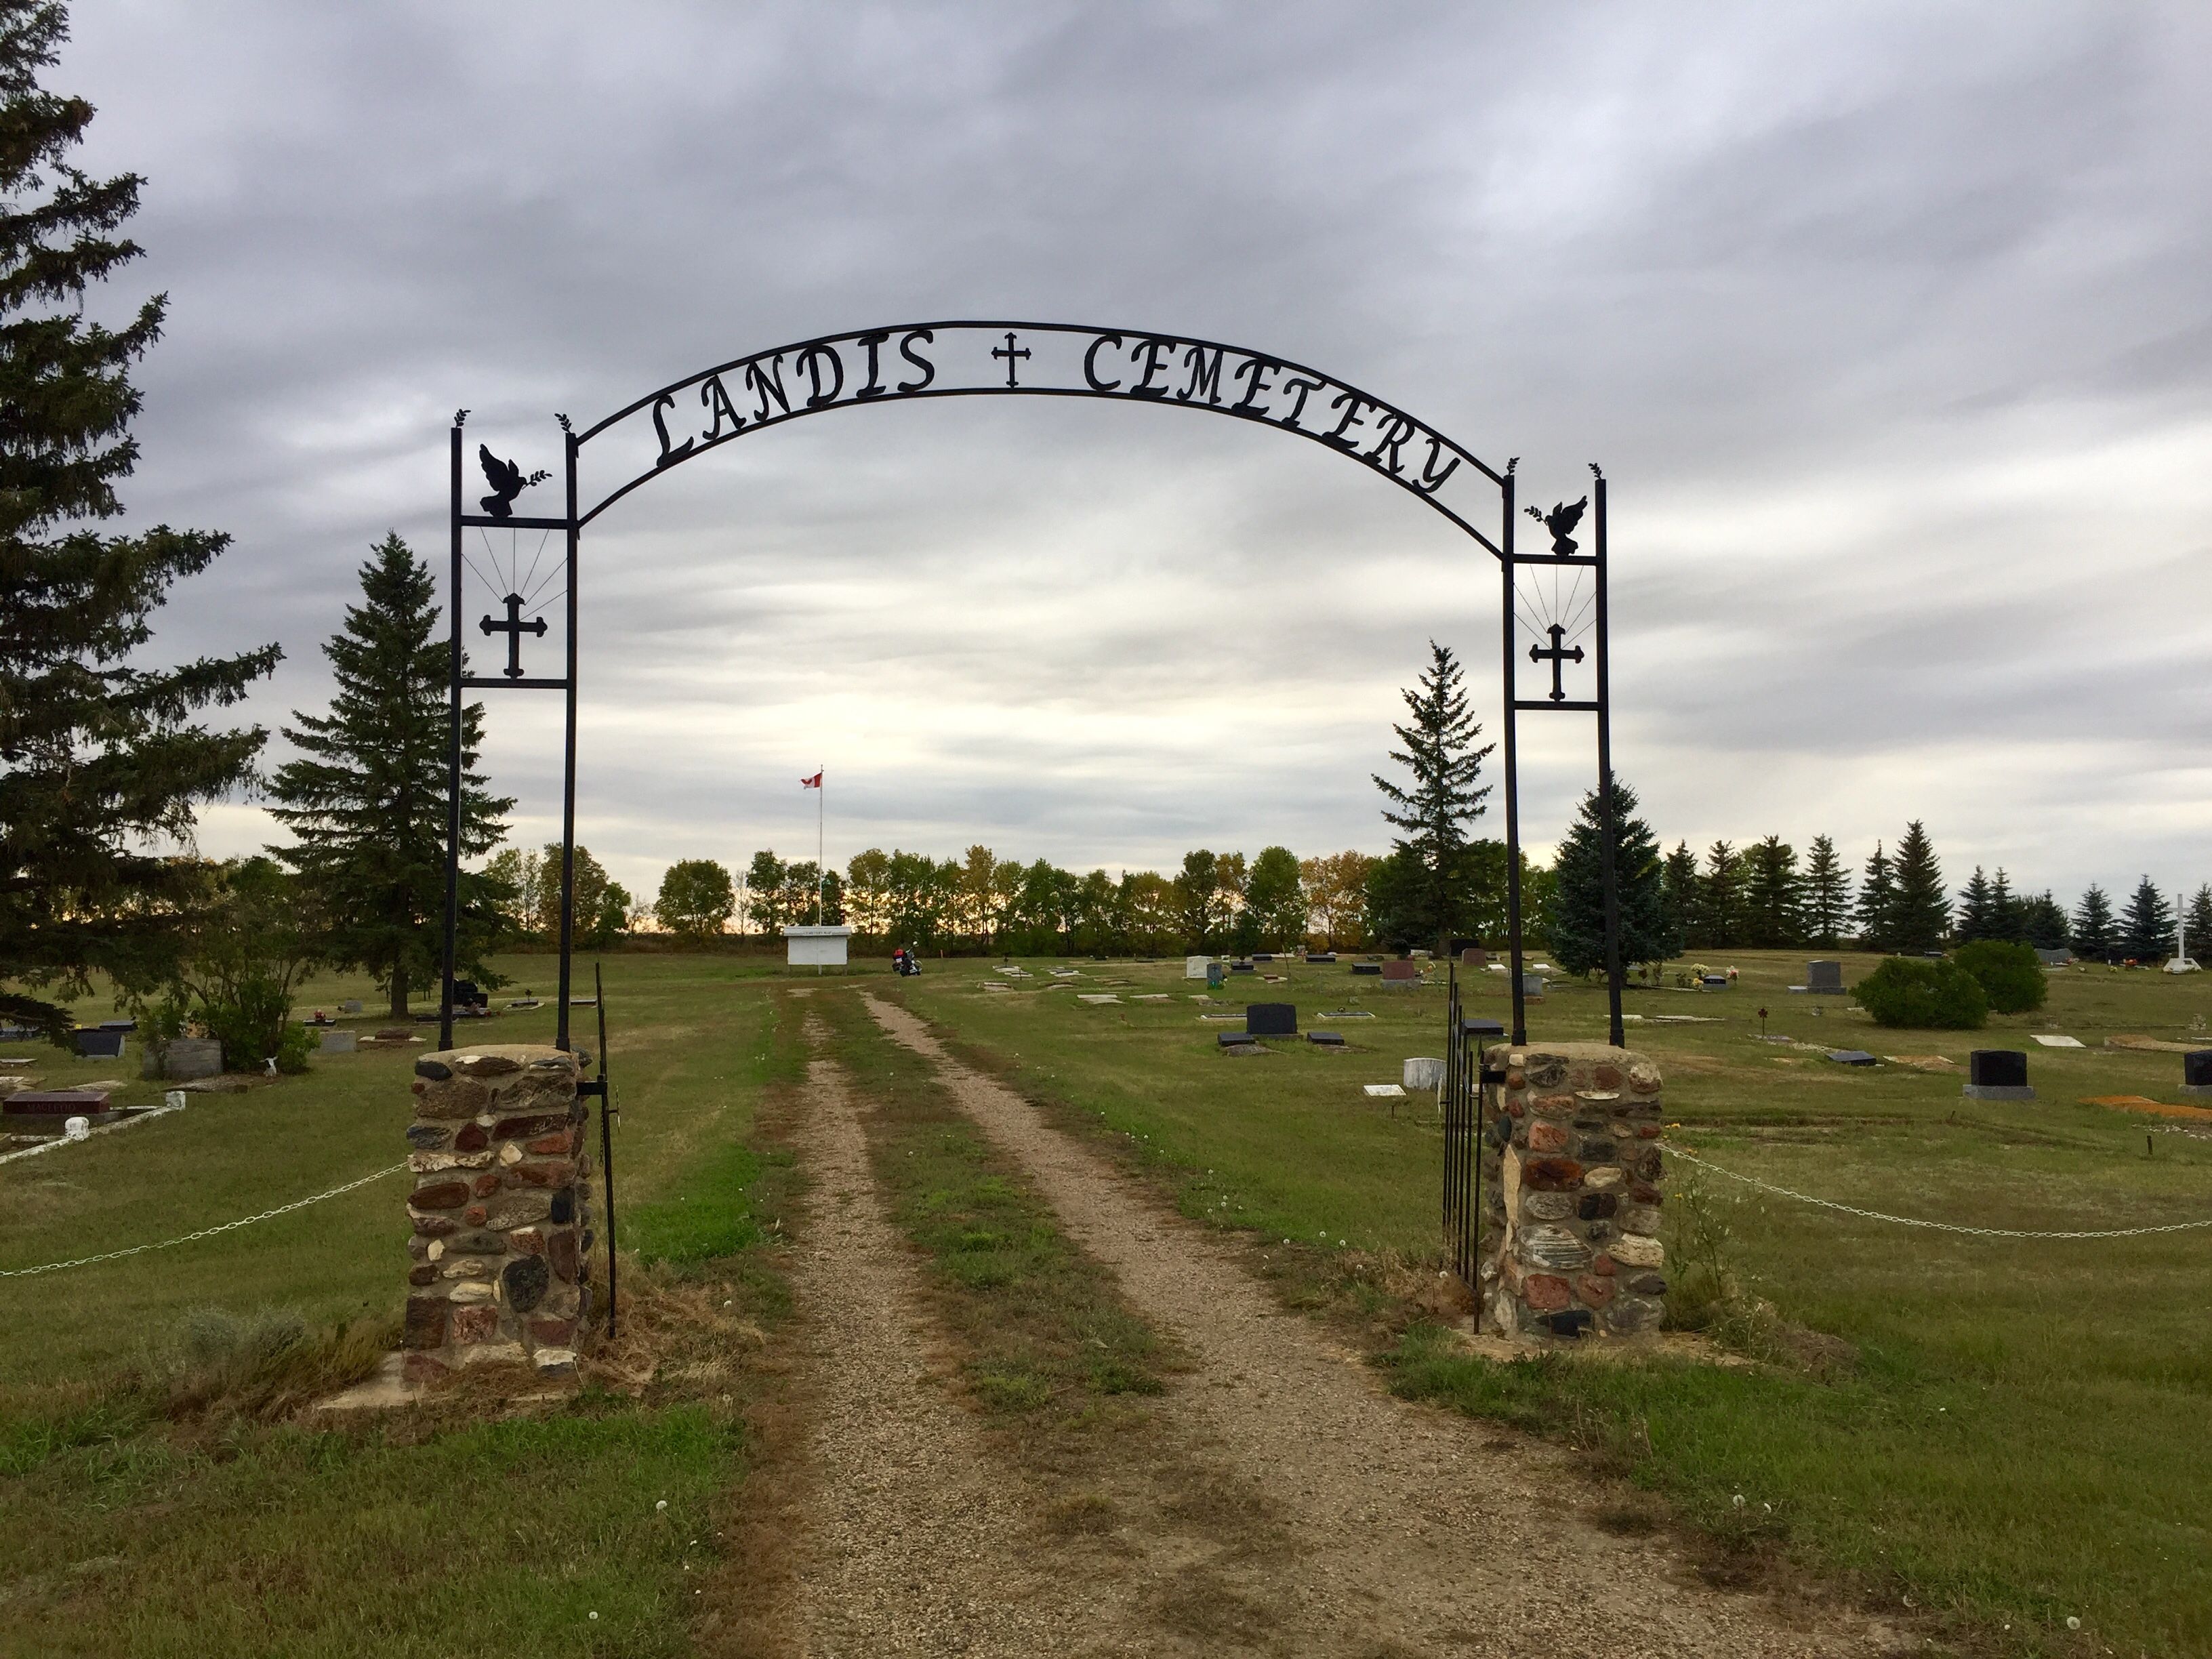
<point>814,783</point>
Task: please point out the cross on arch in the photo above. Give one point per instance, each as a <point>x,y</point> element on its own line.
<point>1009,351</point>
<point>1556,656</point>
<point>514,627</point>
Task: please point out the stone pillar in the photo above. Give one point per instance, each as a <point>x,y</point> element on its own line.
<point>501,1238</point>
<point>1571,1169</point>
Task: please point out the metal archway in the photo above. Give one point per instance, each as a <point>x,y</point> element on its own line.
<point>686,418</point>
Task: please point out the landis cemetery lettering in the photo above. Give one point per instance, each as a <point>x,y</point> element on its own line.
<point>939,360</point>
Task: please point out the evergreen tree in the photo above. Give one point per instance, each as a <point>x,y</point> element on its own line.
<point>1920,912</point>
<point>366,801</point>
<point>1827,895</point>
<point>1719,920</point>
<point>2008,911</point>
<point>1440,752</point>
<point>2044,924</point>
<point>2147,928</point>
<point>2200,920</point>
<point>1877,900</point>
<point>2095,931</point>
<point>1576,925</point>
<point>1976,911</point>
<point>1773,895</point>
<point>1678,878</point>
<point>101,760</point>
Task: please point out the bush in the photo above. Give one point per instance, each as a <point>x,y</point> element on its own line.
<point>1929,996</point>
<point>2011,975</point>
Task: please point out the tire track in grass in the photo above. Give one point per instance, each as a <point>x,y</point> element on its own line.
<point>1402,1533</point>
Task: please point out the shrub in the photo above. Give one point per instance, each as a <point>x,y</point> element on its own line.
<point>2011,975</point>
<point>1929,996</point>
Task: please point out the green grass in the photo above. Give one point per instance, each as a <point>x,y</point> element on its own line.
<point>160,1494</point>
<point>2011,1431</point>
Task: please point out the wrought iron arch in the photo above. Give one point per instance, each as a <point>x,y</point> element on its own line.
<point>686,418</point>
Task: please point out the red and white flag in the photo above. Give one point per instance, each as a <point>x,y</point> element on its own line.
<point>814,783</point>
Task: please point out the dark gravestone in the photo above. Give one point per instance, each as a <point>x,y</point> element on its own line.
<point>118,1025</point>
<point>1713,982</point>
<point>1231,1039</point>
<point>1325,1039</point>
<point>1263,955</point>
<point>1825,976</point>
<point>54,1102</point>
<point>1998,1074</point>
<point>2197,1075</point>
<point>1272,1019</point>
<point>1321,955</point>
<point>1488,1031</point>
<point>1852,1057</point>
<point>99,1045</point>
<point>1366,967</point>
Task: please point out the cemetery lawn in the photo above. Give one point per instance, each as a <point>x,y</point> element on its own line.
<point>164,1490</point>
<point>1990,1433</point>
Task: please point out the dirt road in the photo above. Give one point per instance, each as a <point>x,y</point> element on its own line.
<point>1276,1500</point>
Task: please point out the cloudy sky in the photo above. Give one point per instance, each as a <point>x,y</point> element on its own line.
<point>1892,327</point>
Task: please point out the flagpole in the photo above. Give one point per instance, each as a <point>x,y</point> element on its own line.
<point>821,819</point>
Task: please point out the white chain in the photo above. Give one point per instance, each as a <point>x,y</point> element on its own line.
<point>204,1232</point>
<point>1936,1226</point>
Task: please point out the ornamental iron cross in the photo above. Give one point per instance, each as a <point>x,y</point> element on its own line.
<point>1556,656</point>
<point>1010,351</point>
<point>514,627</point>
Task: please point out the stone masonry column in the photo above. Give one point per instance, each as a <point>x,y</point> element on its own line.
<point>502,1234</point>
<point>1571,1169</point>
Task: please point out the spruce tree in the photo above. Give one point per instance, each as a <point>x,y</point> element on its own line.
<point>1920,912</point>
<point>2200,920</point>
<point>1577,920</point>
<point>1720,920</point>
<point>1877,897</point>
<point>101,760</point>
<point>1680,888</point>
<point>1975,909</point>
<point>366,801</point>
<point>2008,910</point>
<point>2095,932</point>
<point>2147,928</point>
<point>1774,895</point>
<point>1441,753</point>
<point>1827,895</point>
<point>2044,923</point>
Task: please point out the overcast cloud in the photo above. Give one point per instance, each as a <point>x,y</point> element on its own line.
<point>1891,325</point>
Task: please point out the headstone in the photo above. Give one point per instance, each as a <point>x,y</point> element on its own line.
<point>2053,958</point>
<point>1325,1039</point>
<point>184,1059</point>
<point>1321,955</point>
<point>1272,1019</point>
<point>1474,957</point>
<point>1532,988</point>
<point>1384,1091</point>
<point>1402,973</point>
<point>1826,976</point>
<point>1263,955</point>
<point>352,1006</point>
<point>53,1102</point>
<point>93,1044</point>
<point>1231,1039</point>
<point>1240,966</point>
<point>1713,982</point>
<point>2196,1074</point>
<point>1214,977</point>
<point>1998,1074</point>
<point>340,1043</point>
<point>1852,1057</point>
<point>1484,1030</point>
<point>1196,967</point>
<point>1422,1074</point>
<point>1366,967</point>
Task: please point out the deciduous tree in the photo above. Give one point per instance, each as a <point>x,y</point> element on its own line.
<point>697,899</point>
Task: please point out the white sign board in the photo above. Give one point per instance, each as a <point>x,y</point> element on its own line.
<point>815,947</point>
